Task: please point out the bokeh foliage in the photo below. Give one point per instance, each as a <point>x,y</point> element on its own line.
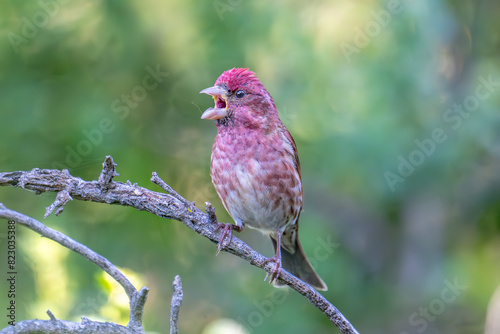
<point>362,86</point>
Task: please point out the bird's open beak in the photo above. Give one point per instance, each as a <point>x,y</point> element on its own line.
<point>220,97</point>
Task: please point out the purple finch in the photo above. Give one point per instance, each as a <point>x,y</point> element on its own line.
<point>255,169</point>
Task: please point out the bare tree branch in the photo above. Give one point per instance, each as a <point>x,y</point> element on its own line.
<point>71,244</point>
<point>68,327</point>
<point>137,299</point>
<point>171,206</point>
<point>176,305</point>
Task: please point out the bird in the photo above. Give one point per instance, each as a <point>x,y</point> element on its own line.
<point>255,170</point>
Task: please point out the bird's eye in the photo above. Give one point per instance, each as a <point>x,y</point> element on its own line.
<point>240,94</point>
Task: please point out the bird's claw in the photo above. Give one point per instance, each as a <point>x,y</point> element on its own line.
<point>226,229</point>
<point>276,271</point>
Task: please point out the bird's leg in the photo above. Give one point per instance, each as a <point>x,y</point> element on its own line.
<point>276,259</point>
<point>227,229</point>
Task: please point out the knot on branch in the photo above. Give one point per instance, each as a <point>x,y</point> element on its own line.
<point>108,172</point>
<point>212,218</point>
<point>23,180</point>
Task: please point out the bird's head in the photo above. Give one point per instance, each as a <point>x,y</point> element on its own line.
<point>239,95</point>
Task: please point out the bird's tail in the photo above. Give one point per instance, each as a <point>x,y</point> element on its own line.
<point>298,264</point>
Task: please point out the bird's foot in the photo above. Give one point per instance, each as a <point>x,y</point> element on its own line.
<point>276,271</point>
<point>227,229</point>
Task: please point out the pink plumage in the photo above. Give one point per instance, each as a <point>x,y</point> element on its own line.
<point>255,168</point>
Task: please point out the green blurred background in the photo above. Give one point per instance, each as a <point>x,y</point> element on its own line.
<point>394,108</point>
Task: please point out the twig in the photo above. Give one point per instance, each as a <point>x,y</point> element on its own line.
<point>172,206</point>
<point>176,305</point>
<point>137,308</point>
<point>51,315</point>
<point>62,198</point>
<point>168,189</point>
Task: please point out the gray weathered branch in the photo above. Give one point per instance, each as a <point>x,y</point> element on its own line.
<point>137,298</point>
<point>166,205</point>
<point>61,326</point>
<point>176,305</point>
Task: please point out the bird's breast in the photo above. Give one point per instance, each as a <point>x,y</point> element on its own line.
<point>257,180</point>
